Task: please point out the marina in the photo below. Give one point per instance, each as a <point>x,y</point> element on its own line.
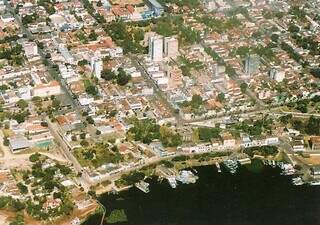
<point>193,204</point>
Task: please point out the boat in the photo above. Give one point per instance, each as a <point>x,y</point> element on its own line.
<point>143,186</point>
<point>172,181</point>
<point>232,165</point>
<point>218,167</point>
<point>287,169</point>
<point>297,181</point>
<point>315,182</point>
<point>186,177</point>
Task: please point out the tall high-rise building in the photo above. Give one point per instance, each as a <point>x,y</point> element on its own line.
<point>156,48</point>
<point>251,64</point>
<point>171,47</point>
<point>96,66</point>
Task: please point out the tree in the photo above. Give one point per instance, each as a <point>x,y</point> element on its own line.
<point>55,103</point>
<point>93,36</point>
<point>6,141</point>
<point>123,78</point>
<point>196,101</point>
<point>90,120</point>
<point>243,87</point>
<point>138,35</point>
<point>83,136</point>
<point>17,205</point>
<point>293,28</point>
<point>99,3</point>
<point>221,97</point>
<point>22,104</point>
<point>92,90</point>
<point>83,62</point>
<point>22,188</point>
<point>169,138</point>
<point>206,134</point>
<point>274,37</point>
<point>4,200</point>
<point>313,126</point>
<point>108,74</point>
<point>315,72</point>
<point>34,157</point>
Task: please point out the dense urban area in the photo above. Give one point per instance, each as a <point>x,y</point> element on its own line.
<point>97,95</point>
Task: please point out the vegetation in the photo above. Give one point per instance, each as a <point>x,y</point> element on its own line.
<point>147,130</point>
<point>255,128</point>
<point>122,78</point>
<point>206,134</point>
<point>98,155</point>
<point>117,216</point>
<point>263,150</point>
<point>132,178</point>
<point>121,33</point>
<point>91,89</point>
<point>195,103</point>
<point>169,138</point>
<point>41,183</point>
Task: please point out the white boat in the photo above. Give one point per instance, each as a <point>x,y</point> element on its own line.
<point>186,177</point>
<point>172,181</point>
<point>218,167</point>
<point>315,182</point>
<point>297,181</point>
<point>287,169</point>
<point>232,165</point>
<point>143,186</point>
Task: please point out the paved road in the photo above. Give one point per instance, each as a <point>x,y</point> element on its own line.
<point>84,180</point>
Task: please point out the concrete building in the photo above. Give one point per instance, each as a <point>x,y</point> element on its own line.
<point>209,5</point>
<point>156,7</point>
<point>30,49</point>
<point>96,67</point>
<point>276,75</point>
<point>252,64</point>
<point>171,47</point>
<point>156,48</point>
<point>46,90</point>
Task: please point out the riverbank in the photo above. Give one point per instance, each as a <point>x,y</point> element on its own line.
<point>248,197</point>
<point>177,163</point>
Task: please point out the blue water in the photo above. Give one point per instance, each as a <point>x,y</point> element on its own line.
<point>246,198</point>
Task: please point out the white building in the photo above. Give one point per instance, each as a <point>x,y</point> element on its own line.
<point>25,92</point>
<point>30,49</point>
<point>97,67</point>
<point>209,5</point>
<point>156,48</point>
<point>46,90</point>
<point>171,47</point>
<point>276,75</point>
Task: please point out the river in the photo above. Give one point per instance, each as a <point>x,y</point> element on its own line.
<point>249,197</point>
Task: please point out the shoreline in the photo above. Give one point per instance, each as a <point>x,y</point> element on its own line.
<point>180,166</point>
